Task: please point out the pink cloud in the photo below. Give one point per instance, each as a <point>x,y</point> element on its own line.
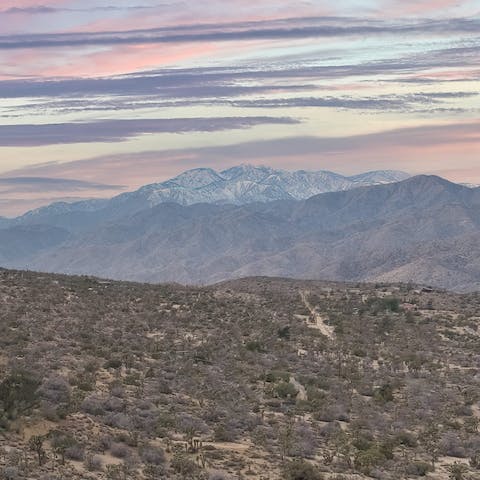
<point>419,8</point>
<point>7,4</point>
<point>115,60</point>
<point>125,59</point>
<point>215,12</point>
<point>428,149</point>
<point>447,75</point>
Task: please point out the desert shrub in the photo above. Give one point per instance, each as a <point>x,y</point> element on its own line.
<point>117,390</point>
<point>387,304</point>
<point>154,472</point>
<point>114,363</point>
<point>93,405</point>
<point>114,472</point>
<point>331,413</point>
<point>301,470</point>
<point>18,394</point>
<point>66,445</point>
<point>452,446</point>
<point>104,443</point>
<point>275,376</point>
<point>152,455</point>
<point>114,404</point>
<point>165,420</point>
<point>457,471</point>
<point>384,394</point>
<point>419,469</point>
<point>145,420</point>
<point>255,346</point>
<point>218,476</point>
<point>224,433</point>
<point>93,463</point>
<point>10,473</point>
<point>75,452</point>
<point>286,390</point>
<point>284,332</point>
<point>363,440</point>
<point>304,442</point>
<point>164,388</point>
<point>406,438</point>
<point>118,420</point>
<point>263,436</point>
<point>129,438</point>
<point>182,465</point>
<point>189,424</point>
<point>119,450</point>
<point>55,390</point>
<point>368,459</point>
<point>55,395</point>
<point>475,461</point>
<point>84,381</point>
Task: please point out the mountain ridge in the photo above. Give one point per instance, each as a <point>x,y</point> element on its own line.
<point>236,185</point>
<point>410,231</point>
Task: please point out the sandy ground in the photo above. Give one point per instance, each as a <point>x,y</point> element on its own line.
<point>318,321</point>
<point>302,392</point>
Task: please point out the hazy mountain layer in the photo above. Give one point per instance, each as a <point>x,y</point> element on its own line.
<point>424,229</point>
<point>238,185</point>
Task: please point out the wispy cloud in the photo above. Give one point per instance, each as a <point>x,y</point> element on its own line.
<point>48,10</point>
<point>424,102</point>
<point>100,77</point>
<point>272,30</point>
<point>120,130</point>
<point>204,82</point>
<point>19,194</point>
<point>42,184</point>
<point>408,102</point>
<point>320,152</point>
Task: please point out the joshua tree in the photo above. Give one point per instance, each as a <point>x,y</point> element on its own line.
<point>36,445</point>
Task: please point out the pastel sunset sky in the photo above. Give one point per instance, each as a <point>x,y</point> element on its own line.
<point>102,96</point>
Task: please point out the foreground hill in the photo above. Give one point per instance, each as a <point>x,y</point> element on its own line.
<point>255,378</point>
<point>424,229</point>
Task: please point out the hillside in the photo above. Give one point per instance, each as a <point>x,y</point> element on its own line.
<point>423,230</point>
<point>255,378</point>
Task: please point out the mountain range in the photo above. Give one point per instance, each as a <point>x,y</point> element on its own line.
<point>423,229</point>
<point>237,185</point>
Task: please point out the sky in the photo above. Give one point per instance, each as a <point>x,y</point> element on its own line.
<point>98,97</point>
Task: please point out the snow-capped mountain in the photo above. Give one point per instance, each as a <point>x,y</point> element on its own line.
<point>248,184</point>
<point>378,177</point>
<point>407,231</point>
<point>238,185</point>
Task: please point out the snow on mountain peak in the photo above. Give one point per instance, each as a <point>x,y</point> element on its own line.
<point>249,183</point>
<point>196,178</point>
<point>236,185</point>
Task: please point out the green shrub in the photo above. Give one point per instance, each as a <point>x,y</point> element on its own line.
<point>301,470</point>
<point>18,394</point>
<point>419,469</point>
<point>286,390</point>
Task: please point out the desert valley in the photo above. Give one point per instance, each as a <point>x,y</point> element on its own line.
<point>257,378</point>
